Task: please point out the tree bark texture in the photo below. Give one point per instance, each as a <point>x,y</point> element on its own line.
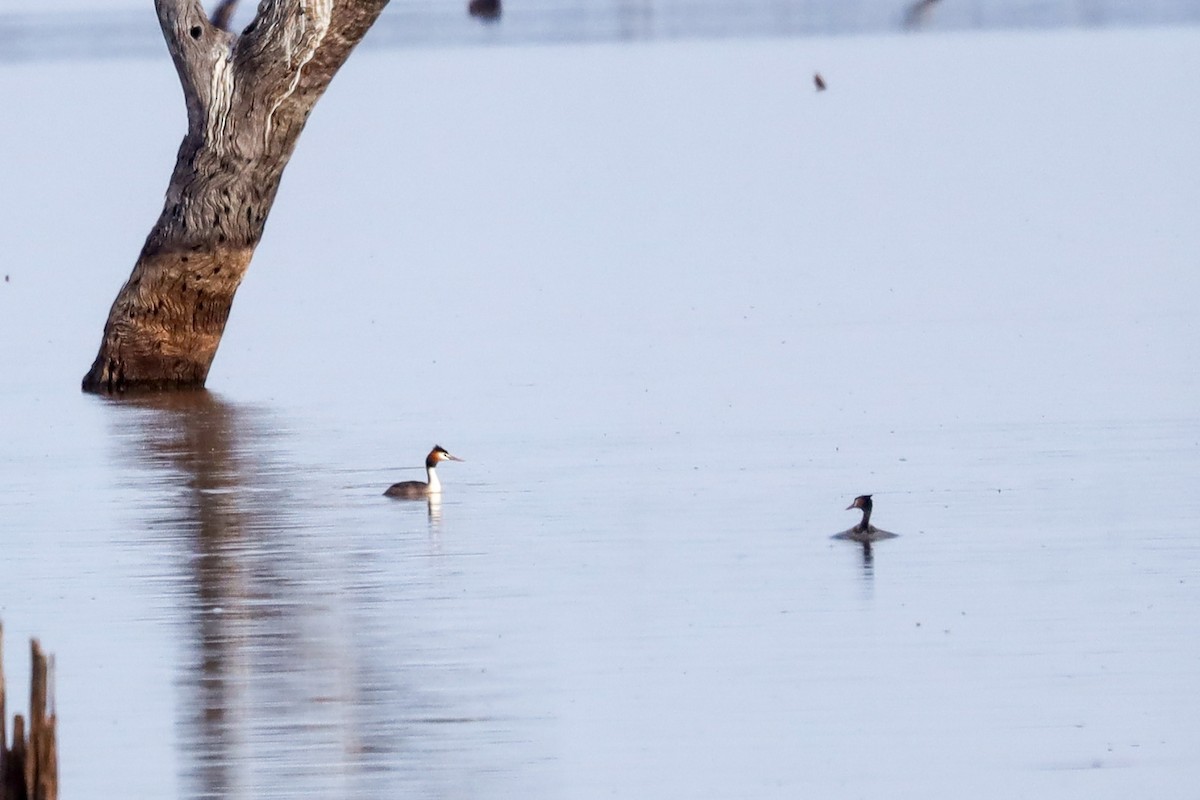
<point>248,97</point>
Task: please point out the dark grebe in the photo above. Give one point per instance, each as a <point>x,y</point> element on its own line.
<point>420,490</point>
<point>864,531</point>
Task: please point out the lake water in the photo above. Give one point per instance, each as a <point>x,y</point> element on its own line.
<point>675,310</point>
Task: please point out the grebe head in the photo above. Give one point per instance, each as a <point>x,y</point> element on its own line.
<point>863,501</point>
<point>438,454</point>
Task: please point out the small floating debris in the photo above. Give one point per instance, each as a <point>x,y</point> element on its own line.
<point>486,10</point>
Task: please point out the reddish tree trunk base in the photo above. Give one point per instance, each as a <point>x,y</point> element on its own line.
<point>166,323</point>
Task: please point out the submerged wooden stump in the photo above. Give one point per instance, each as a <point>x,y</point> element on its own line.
<point>29,768</point>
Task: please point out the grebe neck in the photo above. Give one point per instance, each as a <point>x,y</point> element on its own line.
<point>865,525</point>
<point>434,484</point>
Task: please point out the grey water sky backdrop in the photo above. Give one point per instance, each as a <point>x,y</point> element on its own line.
<point>32,29</point>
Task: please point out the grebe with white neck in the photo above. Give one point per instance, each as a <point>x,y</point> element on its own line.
<point>422,490</point>
<point>864,531</point>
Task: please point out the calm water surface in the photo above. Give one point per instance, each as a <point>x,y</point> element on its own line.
<point>593,615</point>
<point>665,396</point>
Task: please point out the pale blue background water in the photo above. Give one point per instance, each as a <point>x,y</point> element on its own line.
<point>675,309</point>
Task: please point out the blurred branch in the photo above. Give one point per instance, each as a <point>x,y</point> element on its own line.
<point>917,12</point>
<point>222,15</point>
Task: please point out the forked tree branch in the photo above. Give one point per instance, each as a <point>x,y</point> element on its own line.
<point>293,49</point>
<point>197,47</point>
<point>248,98</point>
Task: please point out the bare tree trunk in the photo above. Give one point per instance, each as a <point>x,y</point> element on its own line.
<point>248,98</point>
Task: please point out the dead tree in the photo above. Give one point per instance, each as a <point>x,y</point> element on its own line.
<point>248,97</point>
<point>29,767</point>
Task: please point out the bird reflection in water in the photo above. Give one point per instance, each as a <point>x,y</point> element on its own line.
<point>868,561</point>
<point>433,517</point>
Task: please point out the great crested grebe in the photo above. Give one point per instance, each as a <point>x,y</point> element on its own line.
<point>420,490</point>
<point>864,531</point>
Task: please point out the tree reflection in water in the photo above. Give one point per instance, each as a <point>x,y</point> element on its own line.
<point>294,676</point>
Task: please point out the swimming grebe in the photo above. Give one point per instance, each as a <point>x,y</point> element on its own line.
<point>864,531</point>
<point>420,490</point>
